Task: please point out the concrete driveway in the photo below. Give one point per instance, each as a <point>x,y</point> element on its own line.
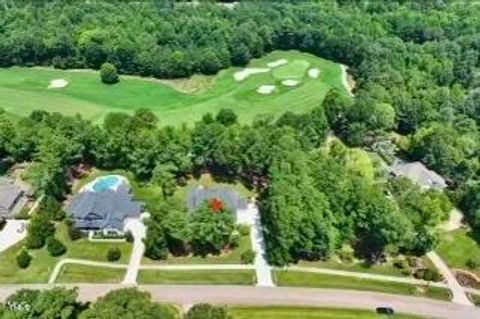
<point>13,232</point>
<point>139,231</point>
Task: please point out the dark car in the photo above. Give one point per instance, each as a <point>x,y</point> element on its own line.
<point>385,310</point>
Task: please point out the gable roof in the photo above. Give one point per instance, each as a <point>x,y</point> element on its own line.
<point>9,193</point>
<point>229,197</point>
<point>108,209</point>
<point>420,174</point>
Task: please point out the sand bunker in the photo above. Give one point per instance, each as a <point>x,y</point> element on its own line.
<point>245,73</point>
<point>58,84</point>
<point>313,73</point>
<point>274,64</point>
<point>289,82</point>
<point>266,89</point>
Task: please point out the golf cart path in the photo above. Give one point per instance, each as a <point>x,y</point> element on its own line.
<point>251,216</point>
<point>458,292</point>
<point>276,296</point>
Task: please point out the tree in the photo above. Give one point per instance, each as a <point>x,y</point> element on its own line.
<point>206,311</point>
<point>114,254</point>
<point>39,229</point>
<point>211,227</point>
<point>128,303</point>
<point>109,74</point>
<point>52,208</point>
<point>163,176</point>
<point>226,117</point>
<point>155,242</point>
<point>23,259</point>
<point>55,247</point>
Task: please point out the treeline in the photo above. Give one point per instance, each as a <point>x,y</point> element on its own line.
<point>62,303</point>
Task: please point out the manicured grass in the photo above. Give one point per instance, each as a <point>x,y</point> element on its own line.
<point>86,95</point>
<point>306,313</point>
<point>457,247</point>
<point>303,279</point>
<point>72,273</point>
<point>294,70</point>
<point>475,299</point>
<point>333,263</point>
<point>88,250</point>
<point>232,257</point>
<point>197,277</point>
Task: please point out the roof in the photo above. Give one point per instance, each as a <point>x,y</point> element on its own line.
<point>229,197</point>
<point>107,209</point>
<point>420,174</point>
<point>9,193</point>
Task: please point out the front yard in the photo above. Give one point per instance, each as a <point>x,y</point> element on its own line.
<point>72,273</point>
<point>457,248</point>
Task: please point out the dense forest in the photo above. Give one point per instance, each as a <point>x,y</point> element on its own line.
<point>416,68</point>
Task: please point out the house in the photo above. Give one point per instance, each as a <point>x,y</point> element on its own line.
<point>104,211</point>
<point>418,173</point>
<point>228,197</point>
<point>12,198</point>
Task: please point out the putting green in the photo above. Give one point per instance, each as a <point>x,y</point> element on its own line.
<point>23,90</point>
<point>295,69</point>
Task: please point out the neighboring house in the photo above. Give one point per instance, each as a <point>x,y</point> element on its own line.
<point>11,198</point>
<point>228,197</point>
<point>418,173</point>
<point>104,211</point>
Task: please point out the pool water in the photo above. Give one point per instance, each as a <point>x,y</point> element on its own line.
<point>105,183</point>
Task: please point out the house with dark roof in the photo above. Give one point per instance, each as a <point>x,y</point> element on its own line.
<point>104,211</point>
<point>231,199</point>
<point>11,198</point>
<point>420,174</point>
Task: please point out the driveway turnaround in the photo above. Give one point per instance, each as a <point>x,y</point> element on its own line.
<point>251,216</point>
<point>13,232</point>
<point>275,296</point>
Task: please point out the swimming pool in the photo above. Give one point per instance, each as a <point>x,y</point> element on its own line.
<point>107,182</point>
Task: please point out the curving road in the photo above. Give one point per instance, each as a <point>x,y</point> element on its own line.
<point>239,295</point>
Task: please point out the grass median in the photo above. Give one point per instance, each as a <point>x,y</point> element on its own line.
<point>73,273</point>
<point>196,277</point>
<point>313,280</point>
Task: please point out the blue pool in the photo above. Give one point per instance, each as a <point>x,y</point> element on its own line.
<point>107,182</point>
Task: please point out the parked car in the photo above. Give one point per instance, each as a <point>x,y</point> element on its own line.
<point>385,310</point>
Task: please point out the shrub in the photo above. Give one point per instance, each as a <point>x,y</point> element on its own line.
<point>114,254</point>
<point>247,257</point>
<point>400,264</point>
<point>3,222</point>
<point>73,233</point>
<point>412,261</point>
<point>39,229</point>
<point>473,263</point>
<point>346,254</point>
<point>243,229</point>
<point>428,274</point>
<point>129,237</point>
<point>108,73</point>
<point>234,239</point>
<point>206,311</point>
<point>55,247</point>
<point>23,259</point>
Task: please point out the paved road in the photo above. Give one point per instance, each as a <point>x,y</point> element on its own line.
<point>237,295</point>
<point>251,216</point>
<point>457,290</point>
<point>13,232</point>
<point>139,231</point>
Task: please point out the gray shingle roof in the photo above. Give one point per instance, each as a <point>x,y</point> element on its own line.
<point>9,194</point>
<point>229,197</point>
<point>107,209</point>
<point>418,173</point>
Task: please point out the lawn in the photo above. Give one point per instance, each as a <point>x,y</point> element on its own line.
<point>306,313</point>
<point>333,263</point>
<point>86,95</point>
<point>197,277</point>
<point>72,273</point>
<point>457,247</point>
<point>302,279</point>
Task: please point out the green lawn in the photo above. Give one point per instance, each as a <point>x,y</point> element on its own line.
<point>197,277</point>
<point>306,313</point>
<point>23,90</point>
<point>232,257</point>
<point>332,263</point>
<point>72,273</point>
<point>457,247</point>
<point>302,279</point>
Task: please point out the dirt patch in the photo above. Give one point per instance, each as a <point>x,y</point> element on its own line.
<point>467,279</point>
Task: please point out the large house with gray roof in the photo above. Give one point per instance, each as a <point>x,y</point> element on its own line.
<point>104,211</point>
<point>420,174</point>
<point>12,198</point>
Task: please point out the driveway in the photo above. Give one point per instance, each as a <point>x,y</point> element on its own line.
<point>278,296</point>
<point>139,231</point>
<point>13,232</point>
